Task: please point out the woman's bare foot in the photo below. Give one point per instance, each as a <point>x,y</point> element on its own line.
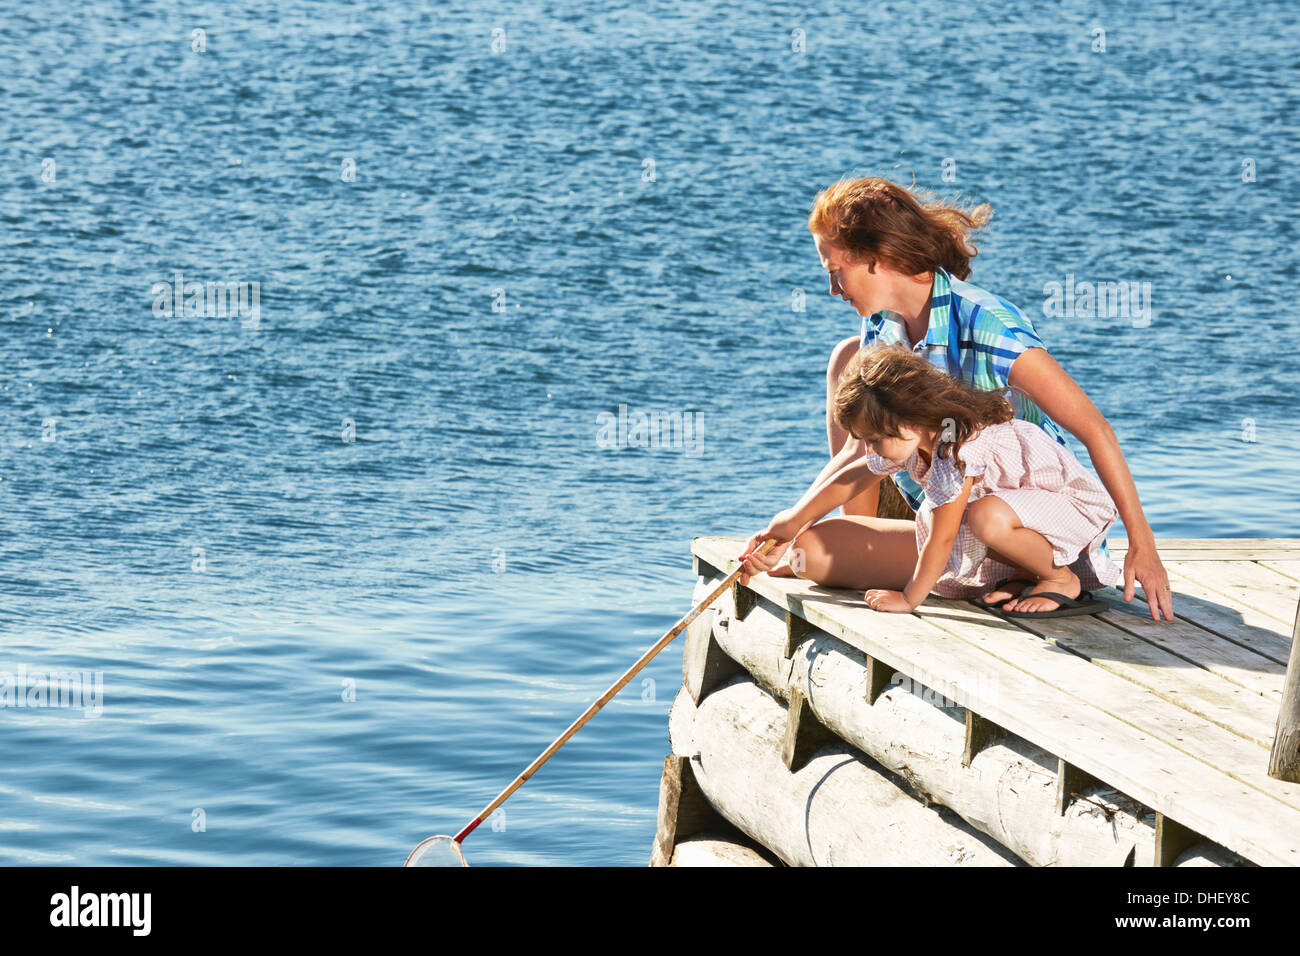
<point>1063,581</point>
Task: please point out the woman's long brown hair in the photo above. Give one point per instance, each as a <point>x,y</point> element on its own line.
<point>885,386</point>
<point>913,231</point>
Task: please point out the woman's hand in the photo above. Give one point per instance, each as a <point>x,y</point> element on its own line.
<point>1144,564</point>
<point>889,601</point>
<point>785,530</point>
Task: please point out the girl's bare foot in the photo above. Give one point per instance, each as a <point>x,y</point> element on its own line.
<point>1063,581</point>
<point>1020,577</point>
<point>783,569</point>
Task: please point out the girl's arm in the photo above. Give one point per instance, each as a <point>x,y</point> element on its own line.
<point>844,485</point>
<point>945,521</point>
<point>820,500</point>
<point>817,502</point>
<point>1050,387</point>
<point>851,451</point>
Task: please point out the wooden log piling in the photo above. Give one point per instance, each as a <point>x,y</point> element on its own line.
<point>816,752</point>
<point>839,809</point>
<point>1284,758</point>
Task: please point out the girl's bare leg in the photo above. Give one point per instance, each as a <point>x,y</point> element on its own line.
<point>857,552</point>
<point>996,524</point>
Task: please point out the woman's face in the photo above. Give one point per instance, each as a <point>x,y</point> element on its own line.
<point>858,283</point>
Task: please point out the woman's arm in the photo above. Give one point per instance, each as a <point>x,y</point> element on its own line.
<point>1049,387</point>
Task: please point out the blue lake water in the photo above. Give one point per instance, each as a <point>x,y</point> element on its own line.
<point>474,234</point>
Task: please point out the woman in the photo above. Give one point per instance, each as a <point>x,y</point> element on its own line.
<point>902,266</point>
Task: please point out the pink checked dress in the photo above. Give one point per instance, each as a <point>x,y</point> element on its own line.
<point>1043,483</point>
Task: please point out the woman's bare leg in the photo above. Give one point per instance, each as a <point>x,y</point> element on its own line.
<point>864,504</point>
<point>867,502</point>
<point>857,552</point>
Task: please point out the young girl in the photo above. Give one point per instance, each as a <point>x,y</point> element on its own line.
<point>1008,512</point>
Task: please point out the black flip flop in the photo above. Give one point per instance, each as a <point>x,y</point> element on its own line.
<point>1085,603</point>
<point>1002,585</point>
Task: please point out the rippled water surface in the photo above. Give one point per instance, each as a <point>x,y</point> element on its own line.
<point>470,245</point>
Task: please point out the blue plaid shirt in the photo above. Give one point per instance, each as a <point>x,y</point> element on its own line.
<point>973,335</point>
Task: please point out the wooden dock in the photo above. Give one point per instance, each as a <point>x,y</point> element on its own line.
<point>811,730</point>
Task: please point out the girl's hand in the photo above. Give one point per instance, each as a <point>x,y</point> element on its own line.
<point>889,601</point>
<point>760,563</point>
<point>782,528</point>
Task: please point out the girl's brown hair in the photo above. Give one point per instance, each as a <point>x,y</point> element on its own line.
<point>885,386</point>
<point>873,218</point>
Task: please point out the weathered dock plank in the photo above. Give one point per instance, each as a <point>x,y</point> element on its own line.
<point>1104,692</point>
<point>1007,789</point>
<point>1248,582</point>
<point>1215,544</point>
<point>1243,711</point>
<point>1235,622</point>
<point>1115,727</point>
<point>1215,549</point>
<point>1289,567</point>
<point>1261,673</point>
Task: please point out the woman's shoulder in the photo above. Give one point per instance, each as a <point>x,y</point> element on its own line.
<point>973,295</point>
<point>988,310</point>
